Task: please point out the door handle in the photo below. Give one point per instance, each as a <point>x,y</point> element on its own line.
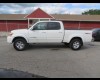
<point>60,32</point>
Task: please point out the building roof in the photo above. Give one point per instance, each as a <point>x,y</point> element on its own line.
<point>39,13</point>
<point>67,17</point>
<point>12,16</point>
<point>63,17</point>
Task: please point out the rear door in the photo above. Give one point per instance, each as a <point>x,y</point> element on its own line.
<point>54,32</point>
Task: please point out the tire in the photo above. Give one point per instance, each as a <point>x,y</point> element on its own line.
<point>20,44</point>
<point>76,44</point>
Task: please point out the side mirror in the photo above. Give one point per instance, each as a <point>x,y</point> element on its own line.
<point>34,28</point>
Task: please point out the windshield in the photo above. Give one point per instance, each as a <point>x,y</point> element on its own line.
<point>32,26</point>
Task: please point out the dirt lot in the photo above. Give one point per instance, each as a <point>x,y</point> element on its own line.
<point>53,60</point>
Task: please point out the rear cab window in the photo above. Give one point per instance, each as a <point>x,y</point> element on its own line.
<point>53,26</point>
<point>99,32</point>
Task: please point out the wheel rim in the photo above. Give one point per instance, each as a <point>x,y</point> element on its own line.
<point>20,45</point>
<point>76,44</point>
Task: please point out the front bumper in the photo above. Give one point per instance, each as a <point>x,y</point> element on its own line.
<point>9,39</point>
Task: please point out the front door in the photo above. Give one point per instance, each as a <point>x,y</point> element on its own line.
<point>38,33</point>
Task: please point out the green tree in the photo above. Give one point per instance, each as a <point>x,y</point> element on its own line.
<point>92,12</point>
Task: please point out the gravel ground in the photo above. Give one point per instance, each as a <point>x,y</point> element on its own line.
<point>53,60</point>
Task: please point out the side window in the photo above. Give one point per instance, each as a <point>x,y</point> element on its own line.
<point>40,26</point>
<point>99,32</point>
<point>53,26</point>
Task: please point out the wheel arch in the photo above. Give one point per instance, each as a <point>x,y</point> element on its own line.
<point>77,38</point>
<point>19,37</point>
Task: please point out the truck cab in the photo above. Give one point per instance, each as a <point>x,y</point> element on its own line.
<point>46,32</point>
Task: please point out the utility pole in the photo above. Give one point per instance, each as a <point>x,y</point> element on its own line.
<point>79,25</point>
<point>6,26</point>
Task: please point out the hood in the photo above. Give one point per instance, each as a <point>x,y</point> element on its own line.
<point>19,31</point>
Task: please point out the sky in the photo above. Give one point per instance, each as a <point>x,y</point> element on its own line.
<point>51,8</point>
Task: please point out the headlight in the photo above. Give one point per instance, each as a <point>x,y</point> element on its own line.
<point>10,34</point>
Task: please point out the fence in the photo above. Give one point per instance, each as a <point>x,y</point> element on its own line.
<point>11,26</point>
<point>6,28</point>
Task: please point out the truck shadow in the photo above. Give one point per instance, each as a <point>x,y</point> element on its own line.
<point>97,41</point>
<point>56,46</point>
<point>47,46</point>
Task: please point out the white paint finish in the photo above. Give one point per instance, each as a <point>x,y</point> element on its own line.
<point>37,36</point>
<point>54,36</point>
<point>51,36</point>
<point>69,34</point>
<point>18,33</point>
<point>9,39</point>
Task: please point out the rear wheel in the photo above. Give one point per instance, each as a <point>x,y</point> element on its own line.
<point>20,44</point>
<point>75,44</point>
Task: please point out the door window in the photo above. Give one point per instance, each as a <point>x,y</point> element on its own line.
<point>40,26</point>
<point>99,32</point>
<point>53,26</point>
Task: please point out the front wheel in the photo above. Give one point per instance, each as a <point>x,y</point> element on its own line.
<point>75,44</point>
<point>20,44</point>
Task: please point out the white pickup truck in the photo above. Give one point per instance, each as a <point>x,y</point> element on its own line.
<point>48,32</point>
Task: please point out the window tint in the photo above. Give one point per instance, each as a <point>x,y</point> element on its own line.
<point>99,32</point>
<point>53,26</point>
<point>40,26</point>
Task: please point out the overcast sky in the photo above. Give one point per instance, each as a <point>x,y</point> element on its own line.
<point>51,8</point>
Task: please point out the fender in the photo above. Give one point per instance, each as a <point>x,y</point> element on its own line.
<point>20,35</point>
<point>69,38</point>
